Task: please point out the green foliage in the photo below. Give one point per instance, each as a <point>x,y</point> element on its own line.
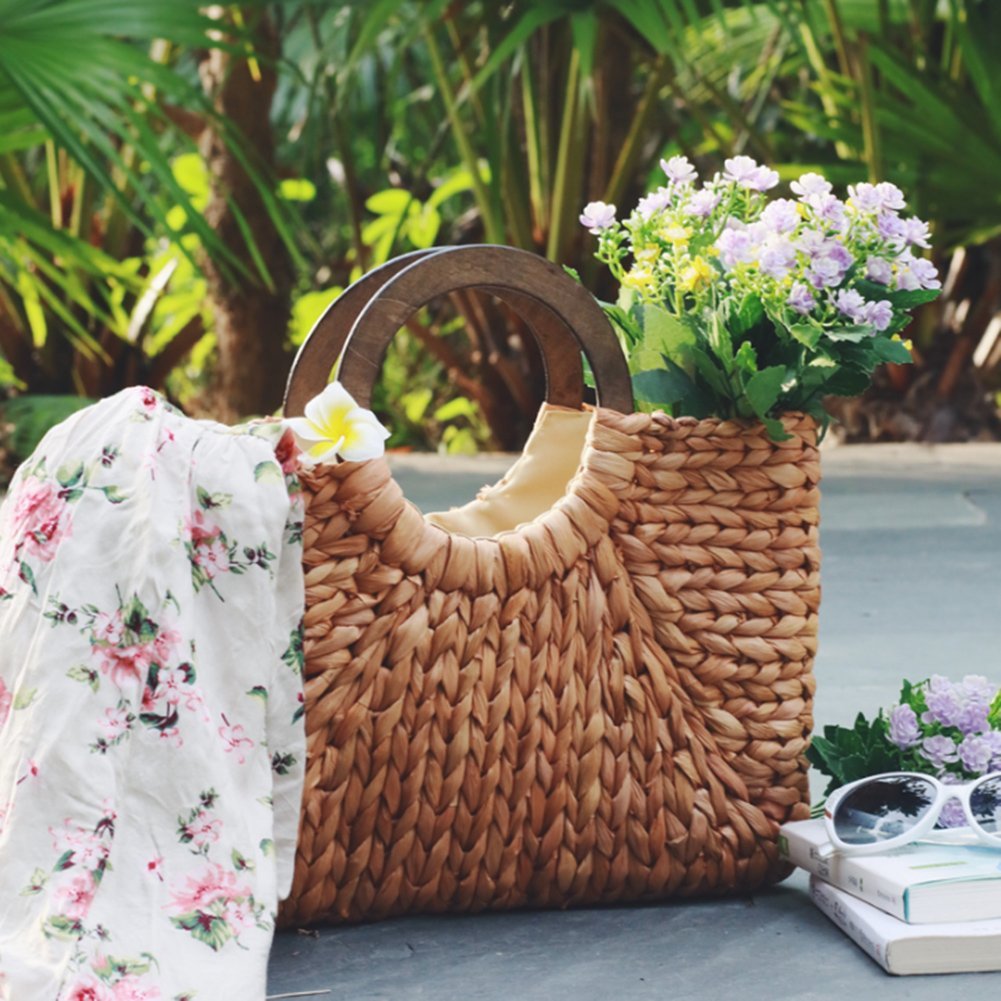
<point>849,753</point>
<point>33,416</point>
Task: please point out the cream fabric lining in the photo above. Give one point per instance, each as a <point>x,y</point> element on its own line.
<point>536,481</point>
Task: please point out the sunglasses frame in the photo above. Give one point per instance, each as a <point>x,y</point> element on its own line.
<point>962,792</point>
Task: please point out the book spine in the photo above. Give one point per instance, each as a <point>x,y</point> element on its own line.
<point>845,874</point>
<point>859,931</point>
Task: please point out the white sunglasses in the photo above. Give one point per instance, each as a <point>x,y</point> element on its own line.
<point>895,808</point>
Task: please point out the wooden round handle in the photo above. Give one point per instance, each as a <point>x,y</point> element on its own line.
<point>323,346</point>
<point>552,304</point>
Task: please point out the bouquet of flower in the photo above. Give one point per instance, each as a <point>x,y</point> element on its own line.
<point>734,305</point>
<point>951,730</point>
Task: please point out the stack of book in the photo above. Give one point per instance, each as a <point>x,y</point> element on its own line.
<point>923,908</point>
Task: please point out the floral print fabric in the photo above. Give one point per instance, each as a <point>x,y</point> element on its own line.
<point>151,735</point>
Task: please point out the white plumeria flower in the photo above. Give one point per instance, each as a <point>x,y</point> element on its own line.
<point>335,425</point>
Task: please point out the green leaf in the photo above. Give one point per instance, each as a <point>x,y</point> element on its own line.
<point>847,381</point>
<point>854,334</point>
<point>459,407</point>
<point>69,476</point>
<point>113,494</point>
<point>746,358</point>
<point>710,371</point>
<point>415,404</point>
<point>662,387</point>
<point>808,334</point>
<point>259,692</point>
<point>24,697</point>
<point>391,201</point>
<point>668,335</point>
<point>208,928</point>
<point>36,883</point>
<point>240,862</point>
<point>267,472</point>
<point>763,389</point>
<point>889,350</point>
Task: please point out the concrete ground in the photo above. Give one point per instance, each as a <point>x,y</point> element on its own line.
<point>911,538</point>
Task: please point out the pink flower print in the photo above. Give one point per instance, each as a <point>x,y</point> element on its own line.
<point>108,628</point>
<point>40,520</point>
<point>165,645</point>
<point>130,988</point>
<point>234,740</point>
<point>172,737</point>
<point>6,701</point>
<point>124,664</point>
<point>155,867</point>
<point>201,891</point>
<point>116,722</point>
<point>87,989</point>
<point>201,531</point>
<point>287,452</point>
<point>205,831</point>
<point>213,559</point>
<point>74,899</point>
<point>172,683</point>
<point>239,915</point>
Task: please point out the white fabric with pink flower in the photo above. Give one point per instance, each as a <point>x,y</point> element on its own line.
<point>151,735</point>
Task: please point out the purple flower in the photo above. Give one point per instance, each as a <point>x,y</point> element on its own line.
<point>952,815</point>
<point>944,701</point>
<point>916,272</point>
<point>825,272</point>
<point>878,314</point>
<point>735,247</point>
<point>811,184</point>
<point>915,232</point>
<point>801,298</point>
<point>781,216</point>
<point>702,203</point>
<point>993,737</point>
<point>828,208</point>
<point>597,216</point>
<point>678,170</point>
<point>890,196</point>
<point>939,751</point>
<point>904,729</point>
<point>890,226</point>
<point>877,269</point>
<point>778,257</point>
<point>926,273</point>
<point>864,197</point>
<point>655,202</point>
<point>851,304</point>
<point>746,172</point>
<point>841,254</point>
<point>975,753</point>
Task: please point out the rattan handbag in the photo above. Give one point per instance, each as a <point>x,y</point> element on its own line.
<point>608,703</point>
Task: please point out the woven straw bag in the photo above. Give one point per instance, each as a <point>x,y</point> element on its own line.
<point>610,703</point>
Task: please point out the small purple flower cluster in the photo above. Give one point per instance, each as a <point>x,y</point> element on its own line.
<point>802,256</point>
<point>950,730</point>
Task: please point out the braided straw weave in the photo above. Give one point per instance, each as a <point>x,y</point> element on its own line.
<point>611,703</point>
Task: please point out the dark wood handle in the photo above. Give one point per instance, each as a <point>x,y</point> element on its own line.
<point>319,352</point>
<point>551,303</point>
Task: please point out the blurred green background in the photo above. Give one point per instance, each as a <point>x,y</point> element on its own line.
<point>184,188</point>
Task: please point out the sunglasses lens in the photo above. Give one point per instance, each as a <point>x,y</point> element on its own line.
<point>985,803</point>
<point>882,809</point>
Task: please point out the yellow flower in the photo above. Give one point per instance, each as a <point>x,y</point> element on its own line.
<point>335,425</point>
<point>647,255</point>
<point>697,275</point>
<point>675,234</point>
<point>909,344</point>
<point>640,278</point>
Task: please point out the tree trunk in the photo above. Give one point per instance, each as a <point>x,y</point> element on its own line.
<point>250,318</point>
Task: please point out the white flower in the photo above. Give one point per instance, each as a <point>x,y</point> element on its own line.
<point>748,173</point>
<point>811,184</point>
<point>679,170</point>
<point>597,216</point>
<point>653,203</point>
<point>335,425</point>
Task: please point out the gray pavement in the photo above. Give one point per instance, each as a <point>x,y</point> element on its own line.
<point>911,538</point>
